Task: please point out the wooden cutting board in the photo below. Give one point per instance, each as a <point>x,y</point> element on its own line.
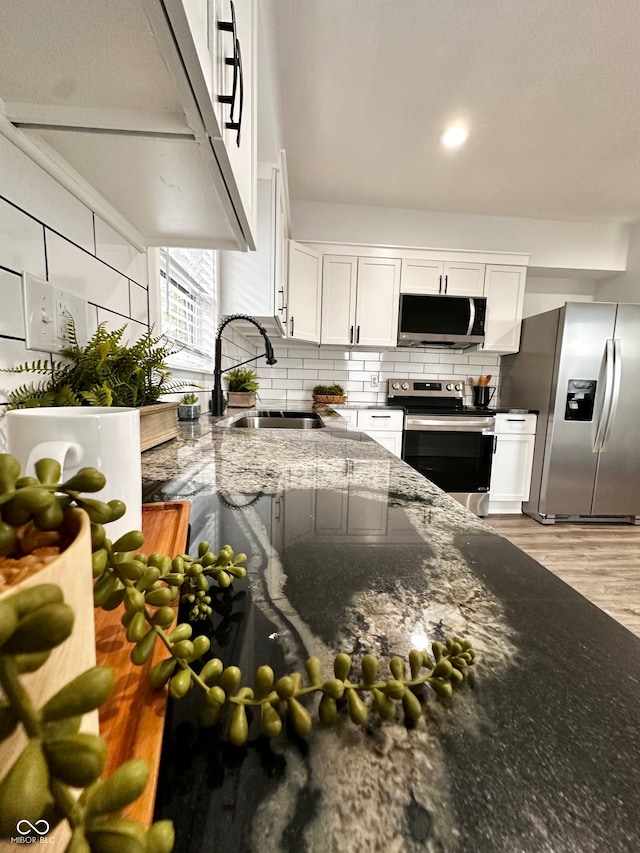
<point>132,721</point>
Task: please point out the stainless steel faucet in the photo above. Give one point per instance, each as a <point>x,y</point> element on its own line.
<point>217,397</point>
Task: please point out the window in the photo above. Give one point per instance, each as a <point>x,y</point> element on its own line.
<point>188,304</point>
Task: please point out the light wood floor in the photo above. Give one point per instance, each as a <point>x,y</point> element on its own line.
<point>601,561</point>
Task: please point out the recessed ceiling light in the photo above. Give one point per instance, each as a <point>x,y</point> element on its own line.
<point>453,137</point>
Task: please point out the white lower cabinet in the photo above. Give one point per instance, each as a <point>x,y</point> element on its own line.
<point>512,462</point>
<point>383,425</point>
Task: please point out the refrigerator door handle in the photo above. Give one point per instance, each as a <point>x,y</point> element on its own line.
<point>615,392</point>
<point>606,396</point>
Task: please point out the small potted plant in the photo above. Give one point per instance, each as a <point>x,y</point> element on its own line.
<point>189,408</point>
<point>243,384</point>
<point>330,394</point>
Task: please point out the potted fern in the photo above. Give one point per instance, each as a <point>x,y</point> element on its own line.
<point>107,372</point>
<point>243,384</point>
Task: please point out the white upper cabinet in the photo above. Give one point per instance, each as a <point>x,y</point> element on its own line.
<point>122,102</point>
<point>305,292</point>
<point>463,279</point>
<point>360,300</point>
<point>504,291</point>
<point>377,302</point>
<point>446,278</point>
<point>255,282</point>
<point>339,281</point>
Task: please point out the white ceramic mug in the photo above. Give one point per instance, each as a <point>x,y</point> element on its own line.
<point>102,437</point>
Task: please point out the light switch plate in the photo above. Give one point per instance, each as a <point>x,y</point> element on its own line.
<point>39,314</point>
<point>66,305</point>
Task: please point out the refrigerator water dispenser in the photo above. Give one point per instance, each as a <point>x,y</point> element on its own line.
<point>580,398</point>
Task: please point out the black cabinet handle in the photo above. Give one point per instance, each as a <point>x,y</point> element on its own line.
<point>351,335</point>
<point>358,335</point>
<point>495,443</point>
<point>446,283</point>
<point>292,327</point>
<point>238,80</point>
<point>440,285</point>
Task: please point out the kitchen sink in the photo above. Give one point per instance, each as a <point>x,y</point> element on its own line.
<point>275,420</point>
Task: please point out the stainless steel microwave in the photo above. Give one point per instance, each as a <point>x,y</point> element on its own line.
<point>442,321</point>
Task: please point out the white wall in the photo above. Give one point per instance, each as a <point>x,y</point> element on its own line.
<point>626,286</point>
<point>555,245</point>
<point>545,294</point>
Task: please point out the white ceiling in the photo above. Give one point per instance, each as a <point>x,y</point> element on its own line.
<point>550,90</point>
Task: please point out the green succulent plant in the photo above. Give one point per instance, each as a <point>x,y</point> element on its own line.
<point>189,400</point>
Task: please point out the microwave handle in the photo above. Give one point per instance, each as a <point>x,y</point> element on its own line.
<point>472,314</point>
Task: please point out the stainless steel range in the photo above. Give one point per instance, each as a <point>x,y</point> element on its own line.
<point>450,443</point>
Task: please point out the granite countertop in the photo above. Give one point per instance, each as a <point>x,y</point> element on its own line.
<point>352,550</point>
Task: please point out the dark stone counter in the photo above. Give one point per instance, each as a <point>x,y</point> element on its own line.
<point>351,550</point>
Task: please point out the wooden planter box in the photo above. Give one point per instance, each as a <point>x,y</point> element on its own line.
<point>158,423</point>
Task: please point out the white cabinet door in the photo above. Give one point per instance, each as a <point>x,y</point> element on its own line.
<point>305,287</point>
<point>511,468</point>
<point>280,236</point>
<point>504,290</point>
<point>463,279</point>
<point>377,302</point>
<point>391,440</point>
<point>339,279</point>
<point>421,276</point>
<point>238,120</point>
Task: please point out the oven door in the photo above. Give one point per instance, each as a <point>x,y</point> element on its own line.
<point>454,454</point>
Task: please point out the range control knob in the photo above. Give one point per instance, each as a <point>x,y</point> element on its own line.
<point>458,386</point>
<point>405,386</point>
<point>449,386</point>
<point>395,385</point>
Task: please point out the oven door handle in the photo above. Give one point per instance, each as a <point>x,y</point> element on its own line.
<point>483,425</point>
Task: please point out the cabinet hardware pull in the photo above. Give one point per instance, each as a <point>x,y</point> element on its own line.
<point>292,327</point>
<point>351,335</point>
<point>238,79</point>
<point>495,443</point>
<point>381,417</point>
<point>358,335</point>
<point>446,283</point>
<point>440,285</point>
<point>517,420</point>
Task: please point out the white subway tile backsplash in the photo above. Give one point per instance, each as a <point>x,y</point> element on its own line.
<point>111,321</point>
<point>119,253</point>
<point>298,370</point>
<point>13,353</point>
<point>12,314</point>
<point>138,299</point>
<point>21,241</point>
<point>301,374</point>
<point>317,364</point>
<point>290,362</point>
<point>30,188</point>
<point>77,272</point>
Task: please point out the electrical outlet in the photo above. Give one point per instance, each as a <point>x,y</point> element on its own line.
<point>375,380</point>
<point>39,314</point>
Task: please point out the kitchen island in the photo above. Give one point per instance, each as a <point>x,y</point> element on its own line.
<point>352,550</point>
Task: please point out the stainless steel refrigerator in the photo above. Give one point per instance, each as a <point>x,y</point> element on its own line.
<point>579,366</point>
